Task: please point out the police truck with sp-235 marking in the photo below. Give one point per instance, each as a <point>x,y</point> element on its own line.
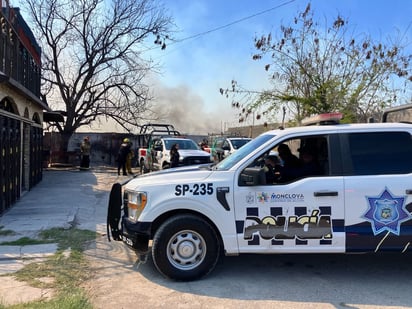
<point>351,193</point>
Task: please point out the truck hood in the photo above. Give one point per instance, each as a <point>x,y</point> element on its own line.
<point>193,153</point>
<point>198,172</point>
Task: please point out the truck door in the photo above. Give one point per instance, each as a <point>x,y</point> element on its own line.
<point>226,149</point>
<point>378,191</point>
<point>302,214</point>
<point>157,154</point>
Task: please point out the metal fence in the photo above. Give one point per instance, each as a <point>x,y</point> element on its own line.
<point>10,140</point>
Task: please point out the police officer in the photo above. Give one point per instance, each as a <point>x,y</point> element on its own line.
<point>124,150</point>
<point>85,153</point>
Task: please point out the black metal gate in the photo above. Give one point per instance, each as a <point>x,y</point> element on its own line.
<point>36,153</point>
<point>10,140</point>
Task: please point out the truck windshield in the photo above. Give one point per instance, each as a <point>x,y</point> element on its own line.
<point>186,144</point>
<point>243,151</point>
<point>237,143</point>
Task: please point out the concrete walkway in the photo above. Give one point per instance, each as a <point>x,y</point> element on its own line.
<point>64,198</point>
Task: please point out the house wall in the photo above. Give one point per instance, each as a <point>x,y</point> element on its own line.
<point>21,110</point>
<point>20,146</point>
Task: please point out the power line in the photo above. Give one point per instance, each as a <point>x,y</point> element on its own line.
<point>224,26</point>
<point>232,23</point>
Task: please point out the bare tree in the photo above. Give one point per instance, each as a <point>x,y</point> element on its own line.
<point>315,69</point>
<point>93,57</point>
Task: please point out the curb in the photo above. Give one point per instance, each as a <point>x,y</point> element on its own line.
<point>13,258</point>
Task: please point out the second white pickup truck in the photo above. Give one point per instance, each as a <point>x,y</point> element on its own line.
<point>158,154</point>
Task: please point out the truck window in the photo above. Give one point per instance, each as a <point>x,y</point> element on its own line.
<point>188,144</point>
<point>378,153</point>
<point>244,151</point>
<point>226,145</point>
<point>157,145</point>
<point>237,143</point>
<point>218,143</point>
<point>288,161</point>
<point>307,156</point>
<point>183,144</point>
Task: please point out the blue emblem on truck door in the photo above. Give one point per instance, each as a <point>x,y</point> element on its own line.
<point>386,212</point>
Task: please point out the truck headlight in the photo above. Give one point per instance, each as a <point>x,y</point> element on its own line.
<point>136,202</point>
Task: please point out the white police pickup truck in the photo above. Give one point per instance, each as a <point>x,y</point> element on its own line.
<point>189,152</point>
<point>359,201</point>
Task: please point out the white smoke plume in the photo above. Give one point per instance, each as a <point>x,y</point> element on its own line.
<point>187,112</point>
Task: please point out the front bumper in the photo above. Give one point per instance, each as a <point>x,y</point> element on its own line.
<point>134,234</point>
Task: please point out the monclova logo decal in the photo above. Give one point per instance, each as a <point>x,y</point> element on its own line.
<point>386,212</point>
<point>274,197</point>
<point>287,197</point>
<point>262,197</point>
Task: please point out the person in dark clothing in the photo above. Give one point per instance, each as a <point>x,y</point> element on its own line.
<point>270,169</point>
<point>85,153</point>
<point>290,164</point>
<point>289,160</point>
<point>124,150</point>
<point>309,166</point>
<point>174,155</point>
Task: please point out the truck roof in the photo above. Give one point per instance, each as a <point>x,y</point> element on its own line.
<point>342,127</point>
<point>238,137</point>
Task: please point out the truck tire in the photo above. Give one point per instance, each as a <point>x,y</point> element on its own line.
<point>166,166</point>
<point>185,247</point>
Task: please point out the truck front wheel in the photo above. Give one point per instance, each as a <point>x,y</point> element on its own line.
<point>185,247</point>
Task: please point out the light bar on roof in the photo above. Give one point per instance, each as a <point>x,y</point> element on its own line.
<point>322,119</point>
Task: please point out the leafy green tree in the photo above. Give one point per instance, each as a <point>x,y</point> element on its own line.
<point>93,57</point>
<point>317,69</point>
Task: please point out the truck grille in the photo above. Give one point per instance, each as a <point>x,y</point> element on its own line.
<point>195,160</point>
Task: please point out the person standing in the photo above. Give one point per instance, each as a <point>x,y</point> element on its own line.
<point>124,150</point>
<point>129,159</point>
<point>85,153</point>
<point>174,155</point>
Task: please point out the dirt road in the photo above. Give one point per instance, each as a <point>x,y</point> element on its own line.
<point>252,281</point>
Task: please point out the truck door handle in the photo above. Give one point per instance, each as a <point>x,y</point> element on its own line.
<point>408,191</point>
<point>327,193</point>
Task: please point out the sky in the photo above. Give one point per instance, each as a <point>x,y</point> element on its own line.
<point>214,45</point>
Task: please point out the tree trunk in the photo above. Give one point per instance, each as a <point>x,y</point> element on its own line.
<point>64,143</point>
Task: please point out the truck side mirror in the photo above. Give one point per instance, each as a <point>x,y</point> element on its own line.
<point>252,176</point>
